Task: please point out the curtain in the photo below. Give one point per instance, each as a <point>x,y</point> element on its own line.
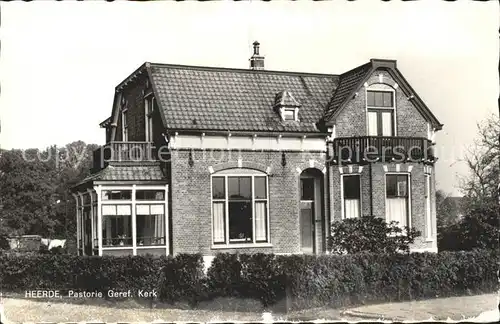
<point>386,124</point>
<point>372,123</point>
<point>260,221</point>
<point>396,210</point>
<point>218,210</point>
<point>157,223</point>
<point>351,209</point>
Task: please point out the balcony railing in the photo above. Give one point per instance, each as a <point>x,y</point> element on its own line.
<point>123,152</point>
<point>358,150</point>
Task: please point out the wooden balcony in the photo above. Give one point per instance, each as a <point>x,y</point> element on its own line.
<point>368,149</point>
<point>123,152</point>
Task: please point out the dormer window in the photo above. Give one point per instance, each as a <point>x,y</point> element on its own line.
<point>288,114</point>
<point>286,105</point>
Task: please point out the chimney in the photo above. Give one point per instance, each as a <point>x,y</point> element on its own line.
<point>256,61</point>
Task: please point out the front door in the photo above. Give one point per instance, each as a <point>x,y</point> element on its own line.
<point>307,212</point>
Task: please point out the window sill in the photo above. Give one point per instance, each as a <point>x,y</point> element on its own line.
<point>429,239</point>
<point>242,246</point>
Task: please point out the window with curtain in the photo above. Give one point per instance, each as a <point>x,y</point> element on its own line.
<point>352,196</point>
<point>397,195</point>
<point>380,105</point>
<point>239,209</point>
<point>150,224</point>
<point>124,126</point>
<point>428,215</point>
<point>148,111</point>
<point>116,225</point>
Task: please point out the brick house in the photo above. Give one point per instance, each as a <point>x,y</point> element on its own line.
<point>207,160</point>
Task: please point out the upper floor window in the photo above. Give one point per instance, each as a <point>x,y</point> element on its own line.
<point>239,209</point>
<point>148,111</point>
<point>289,114</point>
<point>124,126</point>
<point>380,110</point>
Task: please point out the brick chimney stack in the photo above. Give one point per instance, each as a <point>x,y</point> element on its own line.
<point>256,61</point>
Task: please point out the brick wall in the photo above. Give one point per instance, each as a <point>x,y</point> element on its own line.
<point>191,200</point>
<point>352,119</point>
<point>417,179</point>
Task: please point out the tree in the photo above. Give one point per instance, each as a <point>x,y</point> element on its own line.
<point>480,226</point>
<point>370,234</point>
<point>34,188</point>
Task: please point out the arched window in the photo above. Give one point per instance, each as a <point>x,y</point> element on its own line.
<point>240,207</point>
<point>380,109</point>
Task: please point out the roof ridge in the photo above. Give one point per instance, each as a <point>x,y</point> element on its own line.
<point>227,69</point>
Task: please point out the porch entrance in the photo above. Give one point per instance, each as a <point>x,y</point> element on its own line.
<point>311,210</point>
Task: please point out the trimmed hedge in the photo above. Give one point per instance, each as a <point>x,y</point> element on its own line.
<point>301,280</point>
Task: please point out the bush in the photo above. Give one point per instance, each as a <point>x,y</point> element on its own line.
<point>479,229</point>
<point>302,280</point>
<point>370,234</point>
<point>183,279</point>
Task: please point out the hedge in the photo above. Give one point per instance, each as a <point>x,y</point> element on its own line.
<point>301,280</point>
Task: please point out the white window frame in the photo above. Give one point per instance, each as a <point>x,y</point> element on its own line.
<point>394,110</point>
<point>342,194</point>
<point>408,181</point>
<point>227,244</point>
<point>149,102</point>
<point>124,123</point>
<point>289,112</point>
<point>134,247</point>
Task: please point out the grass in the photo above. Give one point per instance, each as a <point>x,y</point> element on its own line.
<point>19,309</point>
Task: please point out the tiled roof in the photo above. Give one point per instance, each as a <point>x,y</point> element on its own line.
<point>347,83</point>
<point>200,98</point>
<point>127,173</point>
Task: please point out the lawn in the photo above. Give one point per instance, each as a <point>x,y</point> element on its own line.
<point>19,309</point>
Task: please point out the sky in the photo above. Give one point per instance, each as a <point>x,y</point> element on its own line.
<point>60,61</point>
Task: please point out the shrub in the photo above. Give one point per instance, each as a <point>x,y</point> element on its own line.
<point>370,234</point>
<point>183,279</point>
<point>224,276</point>
<point>304,280</point>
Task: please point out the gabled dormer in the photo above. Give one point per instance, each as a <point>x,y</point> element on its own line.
<point>286,106</point>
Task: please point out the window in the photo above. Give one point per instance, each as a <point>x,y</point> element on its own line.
<point>239,205</point>
<point>116,194</point>
<point>351,196</point>
<point>428,215</point>
<point>124,126</point>
<point>289,114</point>
<point>117,225</point>
<point>397,199</point>
<point>380,105</point>
<point>148,110</point>
<point>150,222</point>
<point>150,195</point>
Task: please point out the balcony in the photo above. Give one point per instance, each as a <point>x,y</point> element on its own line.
<point>123,152</point>
<point>367,149</point>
